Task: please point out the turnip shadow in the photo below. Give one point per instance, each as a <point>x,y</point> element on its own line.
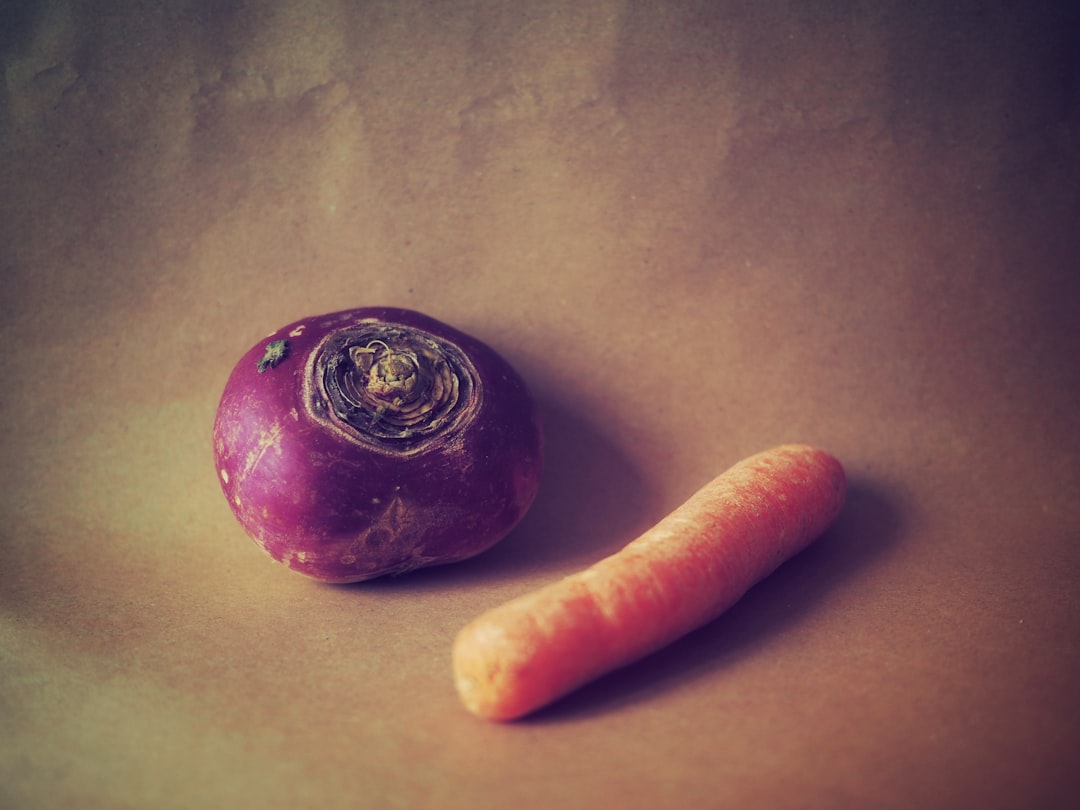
<point>591,502</point>
<point>868,526</point>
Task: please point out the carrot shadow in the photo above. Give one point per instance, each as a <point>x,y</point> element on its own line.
<point>869,524</point>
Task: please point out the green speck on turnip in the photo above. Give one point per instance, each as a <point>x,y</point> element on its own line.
<point>276,351</point>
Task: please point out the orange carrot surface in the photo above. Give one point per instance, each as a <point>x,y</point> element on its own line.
<point>679,575</point>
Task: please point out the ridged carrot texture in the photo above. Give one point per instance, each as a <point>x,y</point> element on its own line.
<point>677,576</point>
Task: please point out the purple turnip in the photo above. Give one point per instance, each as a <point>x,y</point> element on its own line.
<point>375,441</point>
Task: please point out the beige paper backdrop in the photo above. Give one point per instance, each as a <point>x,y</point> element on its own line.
<point>698,229</point>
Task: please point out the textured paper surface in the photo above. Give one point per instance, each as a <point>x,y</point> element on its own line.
<point>699,230</point>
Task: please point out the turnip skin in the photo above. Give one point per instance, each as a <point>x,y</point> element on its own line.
<point>340,508</point>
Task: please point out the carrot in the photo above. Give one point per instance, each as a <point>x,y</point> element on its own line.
<point>677,576</point>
